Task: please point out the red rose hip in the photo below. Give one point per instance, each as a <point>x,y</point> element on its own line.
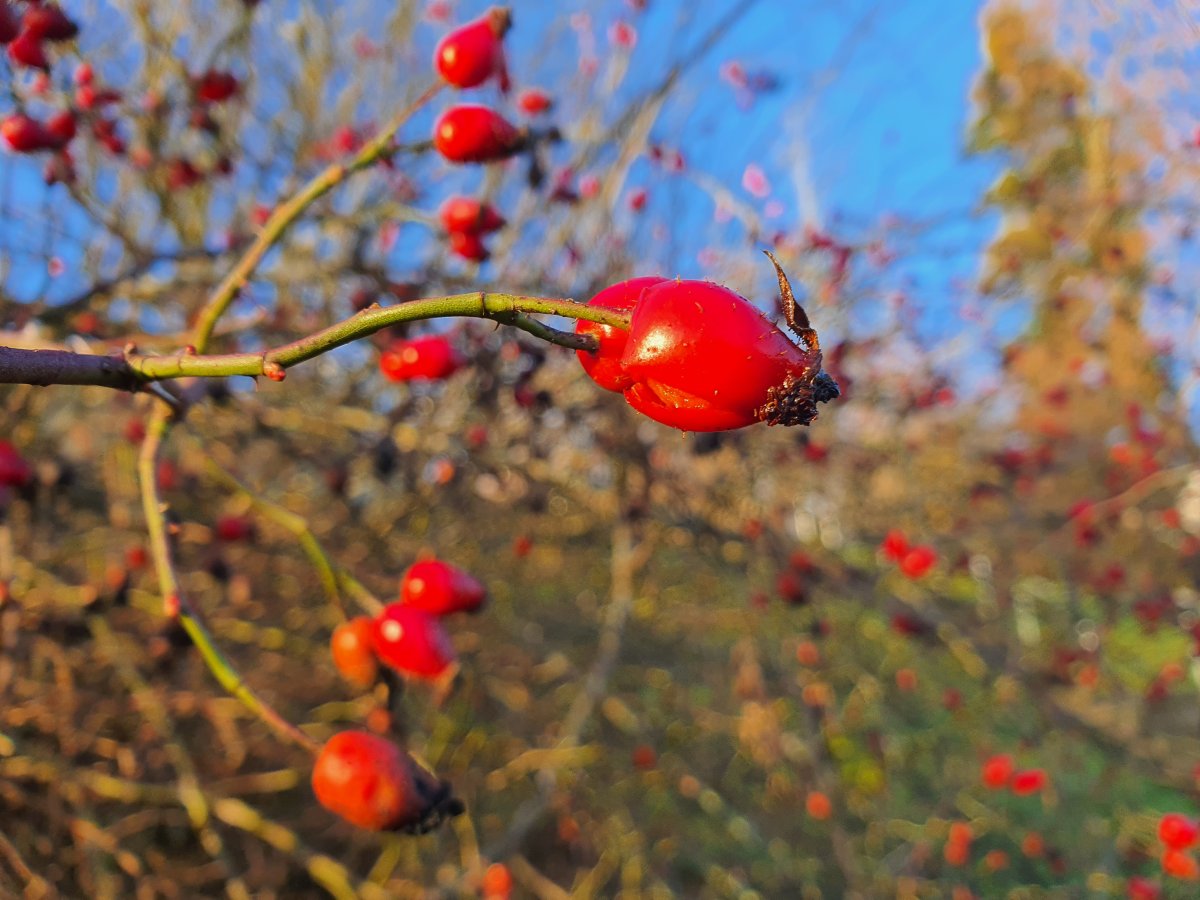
<point>353,651</point>
<point>475,134</point>
<point>368,781</point>
<point>474,52</point>
<point>411,641</point>
<point>440,588</point>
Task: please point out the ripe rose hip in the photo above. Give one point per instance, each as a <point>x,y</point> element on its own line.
<point>475,134</point>
<point>432,357</point>
<point>998,771</point>
<point>48,22</point>
<point>1178,832</point>
<point>368,781</point>
<point>701,358</point>
<point>411,641</point>
<point>470,216</point>
<point>474,52</point>
<point>1180,865</point>
<point>215,86</point>
<point>440,588</point>
<point>534,102</point>
<point>14,471</point>
<point>497,882</point>
<point>62,127</point>
<point>1029,781</point>
<point>469,246</point>
<point>26,49</point>
<point>895,545</point>
<point>604,366</point>
<point>25,134</point>
<point>353,652</point>
<point>918,561</point>
<point>10,26</point>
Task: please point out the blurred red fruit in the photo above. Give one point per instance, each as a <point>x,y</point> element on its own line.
<point>470,216</point>
<point>368,781</point>
<point>353,651</point>
<point>474,52</point>
<point>497,883</point>
<point>1180,865</point>
<point>1029,781</point>
<point>411,641</point>
<point>475,134</point>
<point>214,86</point>
<point>47,22</point>
<point>918,562</point>
<point>818,805</point>
<point>440,588</point>
<point>998,771</point>
<point>430,358</point>
<point>25,134</point>
<point>894,546</point>
<point>26,50</point>
<point>14,471</point>
<point>234,528</point>
<point>468,246</point>
<point>534,102</point>
<point>1178,832</point>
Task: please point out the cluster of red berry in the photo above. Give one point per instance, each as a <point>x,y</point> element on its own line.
<point>914,561</point>
<point>1000,772</point>
<point>27,37</point>
<point>365,778</point>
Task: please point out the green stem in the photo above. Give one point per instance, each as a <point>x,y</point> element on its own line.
<point>507,308</point>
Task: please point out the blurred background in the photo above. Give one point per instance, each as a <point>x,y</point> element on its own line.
<point>942,643</point>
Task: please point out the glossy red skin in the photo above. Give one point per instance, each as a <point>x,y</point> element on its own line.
<point>604,366</point>
<point>353,651</point>
<point>14,471</point>
<point>25,134</point>
<point>475,134</point>
<point>471,54</point>
<point>48,22</point>
<point>368,781</point>
<point>470,216</point>
<point>411,641</point>
<point>431,358</point>
<point>703,358</point>
<point>441,589</point>
<point>26,50</point>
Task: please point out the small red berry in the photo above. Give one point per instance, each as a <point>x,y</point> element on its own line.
<point>440,588</point>
<point>1029,781</point>
<point>26,49</point>
<point>62,127</point>
<point>497,882</point>
<point>534,102</point>
<point>368,781</point>
<point>469,246</point>
<point>998,771</point>
<point>474,52</point>
<point>895,545</point>
<point>918,562</point>
<point>475,134</point>
<point>1140,888</point>
<point>233,529</point>
<point>432,357</point>
<point>470,216</point>
<point>353,651</point>
<point>25,134</point>
<point>818,805</point>
<point>1180,865</point>
<point>49,23</point>
<point>14,470</point>
<point>1178,832</point>
<point>411,641</point>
